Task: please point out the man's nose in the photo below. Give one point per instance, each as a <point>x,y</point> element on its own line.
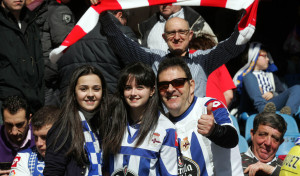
<point>14,131</point>
<point>268,140</point>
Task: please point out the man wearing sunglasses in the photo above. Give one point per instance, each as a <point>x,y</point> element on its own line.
<point>208,141</point>
<point>177,35</point>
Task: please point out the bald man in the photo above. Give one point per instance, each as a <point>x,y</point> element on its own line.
<point>177,35</point>
<point>153,27</point>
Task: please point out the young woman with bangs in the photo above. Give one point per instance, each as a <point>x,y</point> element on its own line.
<point>141,141</point>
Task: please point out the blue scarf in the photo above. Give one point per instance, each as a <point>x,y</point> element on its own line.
<point>92,146</point>
<point>36,163</point>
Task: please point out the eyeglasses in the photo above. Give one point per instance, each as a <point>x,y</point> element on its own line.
<point>263,55</point>
<point>176,83</point>
<point>172,34</point>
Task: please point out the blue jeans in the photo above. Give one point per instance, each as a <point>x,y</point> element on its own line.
<point>290,97</point>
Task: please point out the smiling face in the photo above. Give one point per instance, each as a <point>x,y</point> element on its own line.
<point>16,125</point>
<point>137,96</point>
<point>177,100</point>
<point>88,92</point>
<point>40,138</point>
<point>179,42</point>
<point>265,142</point>
<point>262,62</point>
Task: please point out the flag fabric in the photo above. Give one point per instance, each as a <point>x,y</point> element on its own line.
<point>89,20</point>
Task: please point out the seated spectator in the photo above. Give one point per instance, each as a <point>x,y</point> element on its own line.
<point>291,163</point>
<point>31,161</point>
<point>266,135</point>
<point>15,133</point>
<point>219,83</point>
<point>259,86</point>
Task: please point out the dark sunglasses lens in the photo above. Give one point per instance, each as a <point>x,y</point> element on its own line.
<point>178,83</point>
<point>163,86</point>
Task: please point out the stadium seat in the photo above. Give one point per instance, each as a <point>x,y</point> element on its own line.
<point>288,143</point>
<point>249,126</point>
<point>244,116</point>
<point>243,145</point>
<point>292,126</point>
<point>235,124</point>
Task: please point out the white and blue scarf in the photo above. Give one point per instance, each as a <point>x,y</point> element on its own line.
<point>92,147</point>
<point>36,163</point>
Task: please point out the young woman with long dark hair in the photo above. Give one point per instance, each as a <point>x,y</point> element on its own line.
<point>73,142</point>
<point>141,141</point>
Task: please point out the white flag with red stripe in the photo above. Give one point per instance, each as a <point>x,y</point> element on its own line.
<point>89,20</point>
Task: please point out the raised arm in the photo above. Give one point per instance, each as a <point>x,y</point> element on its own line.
<point>127,49</point>
<point>220,54</point>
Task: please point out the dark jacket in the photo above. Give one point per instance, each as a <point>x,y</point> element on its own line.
<point>55,22</point>
<point>93,49</point>
<point>60,165</point>
<point>21,63</point>
<point>195,20</point>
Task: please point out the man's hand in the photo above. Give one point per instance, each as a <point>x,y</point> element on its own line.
<point>206,123</point>
<point>4,172</point>
<point>94,2</point>
<point>259,167</point>
<point>268,95</point>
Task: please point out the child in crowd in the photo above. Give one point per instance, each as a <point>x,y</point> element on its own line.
<point>73,142</point>
<point>30,162</point>
<point>141,141</point>
<point>261,90</point>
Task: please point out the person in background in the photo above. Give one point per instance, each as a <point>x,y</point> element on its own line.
<point>291,163</point>
<point>93,49</point>
<point>177,35</point>
<point>30,162</point>
<point>55,22</point>
<point>208,141</point>
<point>16,132</point>
<point>219,83</point>
<point>152,29</point>
<point>266,136</point>
<point>22,65</point>
<point>260,89</point>
<point>73,146</point>
<point>141,140</point>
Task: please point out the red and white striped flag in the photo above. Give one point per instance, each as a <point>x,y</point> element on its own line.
<point>89,20</point>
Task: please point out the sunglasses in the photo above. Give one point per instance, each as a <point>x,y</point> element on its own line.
<point>176,83</point>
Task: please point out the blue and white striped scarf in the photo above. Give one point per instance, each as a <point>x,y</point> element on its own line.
<point>36,163</point>
<point>92,146</point>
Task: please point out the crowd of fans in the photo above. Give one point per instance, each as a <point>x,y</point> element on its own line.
<point>149,97</point>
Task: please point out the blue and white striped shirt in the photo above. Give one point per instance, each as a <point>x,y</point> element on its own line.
<point>157,155</point>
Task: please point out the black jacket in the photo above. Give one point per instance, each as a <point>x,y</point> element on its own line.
<point>55,22</point>
<point>56,163</point>
<point>21,63</point>
<point>93,49</point>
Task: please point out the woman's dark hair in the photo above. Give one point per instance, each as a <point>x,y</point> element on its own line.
<point>69,124</point>
<point>143,75</point>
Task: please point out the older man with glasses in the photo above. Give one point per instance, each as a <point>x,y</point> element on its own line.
<point>177,35</point>
<point>207,139</point>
